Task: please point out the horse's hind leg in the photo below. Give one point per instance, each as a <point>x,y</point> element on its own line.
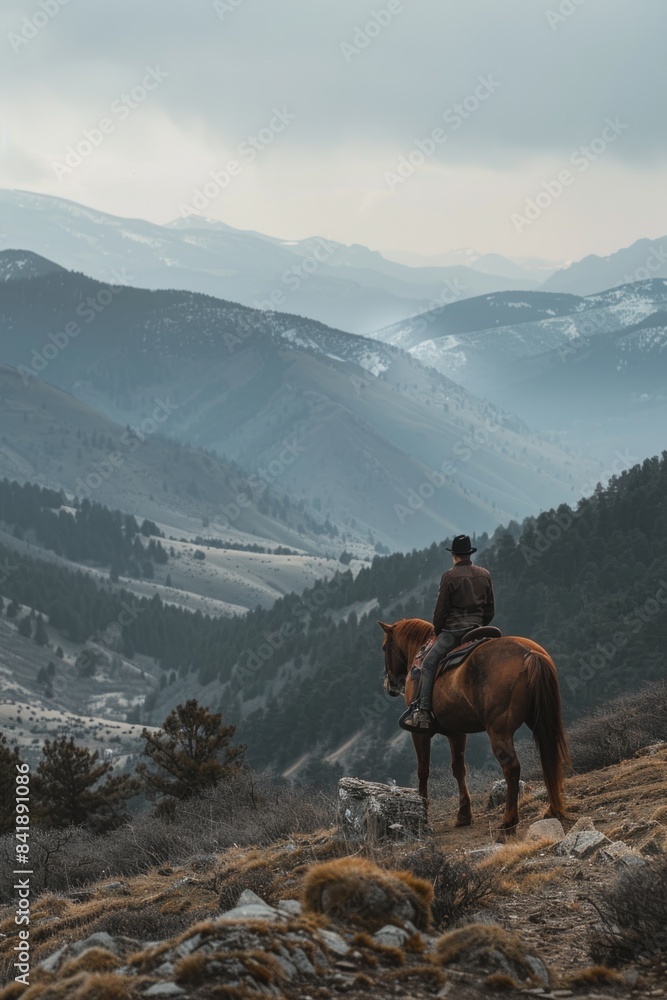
<point>502,745</point>
<point>458,747</point>
<point>423,751</point>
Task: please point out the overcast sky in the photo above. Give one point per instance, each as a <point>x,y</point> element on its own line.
<point>358,84</point>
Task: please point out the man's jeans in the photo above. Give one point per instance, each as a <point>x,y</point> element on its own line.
<point>442,645</point>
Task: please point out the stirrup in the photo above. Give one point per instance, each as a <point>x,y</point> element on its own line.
<point>405,722</point>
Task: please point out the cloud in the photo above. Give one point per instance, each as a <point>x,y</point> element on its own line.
<point>365,81</point>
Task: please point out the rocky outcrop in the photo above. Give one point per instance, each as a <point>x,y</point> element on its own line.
<point>358,891</point>
<point>372,812</point>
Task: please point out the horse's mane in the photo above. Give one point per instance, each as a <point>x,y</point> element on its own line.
<point>412,630</point>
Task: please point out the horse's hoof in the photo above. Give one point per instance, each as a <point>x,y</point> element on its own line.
<point>464,820</point>
<point>506,833</point>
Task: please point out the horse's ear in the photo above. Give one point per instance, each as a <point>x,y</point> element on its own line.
<point>385,627</point>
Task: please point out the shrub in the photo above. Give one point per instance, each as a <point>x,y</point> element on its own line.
<point>619,728</point>
<point>459,888</point>
<point>633,916</point>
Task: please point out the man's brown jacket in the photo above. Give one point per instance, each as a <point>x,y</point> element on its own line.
<point>465,598</point>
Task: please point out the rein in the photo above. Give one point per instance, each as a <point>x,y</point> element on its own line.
<point>393,686</point>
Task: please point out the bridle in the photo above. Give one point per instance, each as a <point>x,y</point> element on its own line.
<point>391,685</point>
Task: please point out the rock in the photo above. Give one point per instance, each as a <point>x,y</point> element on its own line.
<point>356,890</point>
<point>546,829</point>
<point>483,852</point>
<point>583,840</point>
<point>164,990</point>
<point>51,963</point>
<point>334,942</point>
<point>250,898</point>
<point>656,845</point>
<point>498,793</point>
<point>250,911</point>
<point>99,940</point>
<point>290,906</point>
<point>478,948</point>
<point>620,854</point>
<point>368,810</point>
<point>391,936</point>
<point>302,962</point>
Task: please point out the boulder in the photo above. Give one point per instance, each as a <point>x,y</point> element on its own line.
<point>546,829</point>
<point>391,936</point>
<point>357,891</point>
<point>370,811</point>
<point>498,793</point>
<point>489,948</point>
<point>583,840</point>
<point>618,853</point>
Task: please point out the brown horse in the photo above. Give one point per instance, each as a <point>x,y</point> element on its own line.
<point>502,684</point>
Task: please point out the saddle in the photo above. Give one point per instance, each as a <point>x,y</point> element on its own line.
<point>471,640</point>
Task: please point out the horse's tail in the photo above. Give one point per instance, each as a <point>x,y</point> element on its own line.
<point>547,724</point>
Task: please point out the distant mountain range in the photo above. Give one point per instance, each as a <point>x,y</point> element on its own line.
<point>642,261</point>
<point>350,287</point>
<point>594,367</point>
<point>384,448</point>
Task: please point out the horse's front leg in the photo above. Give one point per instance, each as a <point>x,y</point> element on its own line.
<point>423,751</point>
<point>458,747</point>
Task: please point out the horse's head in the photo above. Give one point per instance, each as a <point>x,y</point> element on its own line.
<point>395,663</point>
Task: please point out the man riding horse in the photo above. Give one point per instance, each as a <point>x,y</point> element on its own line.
<point>465,601</point>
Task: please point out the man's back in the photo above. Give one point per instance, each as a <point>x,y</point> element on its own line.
<point>465,598</point>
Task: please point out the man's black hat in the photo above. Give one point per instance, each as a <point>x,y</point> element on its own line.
<point>461,546</point>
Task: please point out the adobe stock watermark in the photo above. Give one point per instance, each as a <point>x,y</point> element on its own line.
<point>32,25</point>
<point>581,159</point>
<point>130,439</point>
<point>120,110</point>
<point>564,11</point>
<point>87,312</point>
<point>562,519</point>
<point>454,118</point>
<point>271,642</point>
<point>655,261</point>
<point>632,623</point>
<point>435,479</point>
<point>225,7</point>
<point>260,480</point>
<point>365,34</point>
<point>246,152</point>
<point>109,637</point>
<point>292,280</point>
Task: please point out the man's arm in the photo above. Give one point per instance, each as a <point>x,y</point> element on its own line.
<point>489,609</point>
<point>442,605</point>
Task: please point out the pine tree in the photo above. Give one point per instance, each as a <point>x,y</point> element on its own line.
<point>25,626</point>
<point>69,788</point>
<point>10,761</point>
<point>192,752</point>
<point>41,636</point>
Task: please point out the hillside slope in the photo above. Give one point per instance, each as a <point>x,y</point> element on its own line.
<point>341,422</point>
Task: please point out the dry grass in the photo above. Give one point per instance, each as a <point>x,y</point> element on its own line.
<point>478,945</point>
<point>92,960</point>
<point>509,856</point>
<point>594,975</point>
<point>356,890</point>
